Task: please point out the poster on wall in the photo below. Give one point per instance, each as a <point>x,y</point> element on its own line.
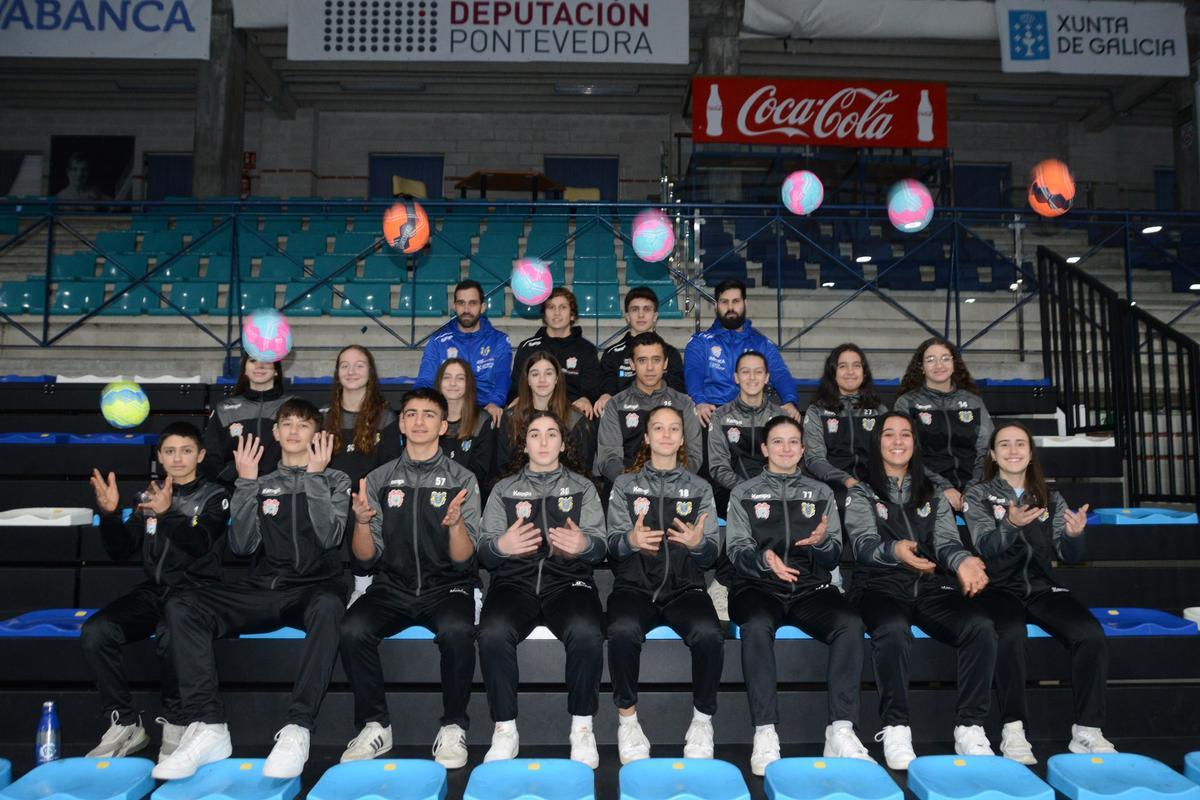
<point>170,29</point>
<point>91,167</point>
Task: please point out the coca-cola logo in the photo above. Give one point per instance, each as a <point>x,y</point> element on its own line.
<point>850,112</point>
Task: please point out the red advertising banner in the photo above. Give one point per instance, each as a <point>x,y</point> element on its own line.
<point>825,113</point>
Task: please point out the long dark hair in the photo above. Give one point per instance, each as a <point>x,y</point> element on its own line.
<point>921,487</point>
<point>1036,493</point>
<point>367,422</point>
<point>243,382</point>
<point>470,411</point>
<point>569,457</point>
<point>914,376</point>
<point>643,454</point>
<point>830,396</point>
<point>523,405</point>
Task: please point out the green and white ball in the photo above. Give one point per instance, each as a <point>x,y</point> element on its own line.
<point>124,404</point>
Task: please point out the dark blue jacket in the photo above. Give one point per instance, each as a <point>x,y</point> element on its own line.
<point>711,355</point>
<point>487,350</point>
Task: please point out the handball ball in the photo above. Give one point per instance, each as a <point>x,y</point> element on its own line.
<point>652,234</point>
<point>909,206</point>
<point>531,281</point>
<point>1051,188</point>
<point>802,192</point>
<point>266,335</point>
<point>124,404</point>
<point>406,226</point>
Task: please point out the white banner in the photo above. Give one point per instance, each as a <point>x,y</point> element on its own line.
<point>611,31</point>
<point>1092,38</point>
<point>105,28</point>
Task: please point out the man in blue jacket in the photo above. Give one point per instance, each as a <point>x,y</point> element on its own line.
<point>471,337</point>
<point>711,355</point>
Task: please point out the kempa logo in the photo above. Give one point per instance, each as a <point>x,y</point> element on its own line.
<point>148,16</point>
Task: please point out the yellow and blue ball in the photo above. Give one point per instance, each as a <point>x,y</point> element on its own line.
<point>124,404</point>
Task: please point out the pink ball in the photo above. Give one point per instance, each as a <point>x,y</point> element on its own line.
<point>910,206</point>
<point>266,335</point>
<point>802,192</point>
<point>652,234</point>
<point>531,281</point>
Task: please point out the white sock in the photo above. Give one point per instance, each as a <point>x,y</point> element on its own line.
<point>508,726</point>
<point>581,722</point>
<point>627,720</point>
<point>363,582</point>
<point>700,716</point>
<point>841,723</point>
<point>764,728</point>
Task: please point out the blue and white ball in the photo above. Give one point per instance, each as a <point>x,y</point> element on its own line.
<point>802,192</point>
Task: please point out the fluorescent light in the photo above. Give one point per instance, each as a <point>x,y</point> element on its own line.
<point>1195,287</point>
<point>597,89</point>
<point>829,285</point>
<point>863,259</point>
<point>1152,229</point>
<point>969,300</point>
<point>1133,302</point>
<point>1073,260</point>
<point>1012,287</point>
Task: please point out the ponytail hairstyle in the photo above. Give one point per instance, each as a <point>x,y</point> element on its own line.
<point>643,454</point>
<point>1036,492</point>
<point>914,375</point>
<point>470,411</point>
<point>921,487</point>
<point>366,424</point>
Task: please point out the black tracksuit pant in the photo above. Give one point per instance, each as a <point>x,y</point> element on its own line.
<point>823,614</point>
<point>199,617</point>
<point>947,616</point>
<point>384,611</point>
<point>1068,621</point>
<point>690,614</point>
<point>128,619</point>
<point>572,613</point>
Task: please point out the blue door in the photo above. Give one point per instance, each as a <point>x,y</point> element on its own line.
<point>168,175</point>
<point>584,171</point>
<point>427,169</point>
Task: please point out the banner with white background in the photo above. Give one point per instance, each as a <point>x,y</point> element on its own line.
<point>175,29</point>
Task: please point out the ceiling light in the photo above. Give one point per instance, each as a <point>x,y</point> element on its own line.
<point>1073,260</point>
<point>863,259</point>
<point>1152,229</point>
<point>969,300</point>
<point>382,87</point>
<point>1012,287</point>
<point>829,285</point>
<point>1195,287</point>
<point>597,89</point>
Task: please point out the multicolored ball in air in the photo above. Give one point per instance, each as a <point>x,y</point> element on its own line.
<point>531,281</point>
<point>652,234</point>
<point>802,192</point>
<point>909,206</point>
<point>124,404</point>
<point>266,335</point>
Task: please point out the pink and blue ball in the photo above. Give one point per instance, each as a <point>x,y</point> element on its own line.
<point>266,335</point>
<point>909,206</point>
<point>531,281</point>
<point>652,234</point>
<point>802,192</point>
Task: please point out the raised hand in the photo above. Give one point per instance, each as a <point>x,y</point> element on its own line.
<point>320,451</point>
<point>107,496</point>
<point>158,499</point>
<point>246,456</point>
<point>905,551</point>
<point>454,510</point>
<point>972,574</point>
<point>521,539</point>
<point>1020,516</point>
<point>690,536</point>
<point>569,539</point>
<point>1076,520</point>
<point>817,536</point>
<point>642,538</point>
<point>782,571</point>
<point>363,513</point>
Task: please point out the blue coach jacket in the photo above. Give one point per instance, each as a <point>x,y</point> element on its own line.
<point>487,350</point>
<point>711,355</point>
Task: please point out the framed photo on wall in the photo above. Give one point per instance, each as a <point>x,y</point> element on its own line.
<point>91,167</point>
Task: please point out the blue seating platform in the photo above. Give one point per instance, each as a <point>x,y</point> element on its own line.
<point>682,779</point>
<point>230,779</point>
<point>382,779</point>
<point>531,779</point>
<point>828,779</point>
<point>84,779</point>
<point>1117,775</point>
<point>974,778</point>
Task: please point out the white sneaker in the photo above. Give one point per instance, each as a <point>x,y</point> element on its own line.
<point>720,599</point>
<point>372,741</point>
<point>120,740</point>
<point>171,734</point>
<point>202,743</point>
<point>1089,740</point>
<point>897,746</point>
<point>698,741</point>
<point>1013,744</point>
<point>766,750</point>
<point>583,746</point>
<point>289,754</point>
<point>970,740</point>
<point>506,742</point>
<point>841,742</point>
<point>450,747</point>
<point>632,744</point>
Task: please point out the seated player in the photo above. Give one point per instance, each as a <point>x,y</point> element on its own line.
<point>623,423</point>
<point>1019,526</point>
<point>417,520</point>
<point>470,437</point>
<point>291,520</point>
<point>250,408</point>
<point>784,536</point>
<point>616,364</point>
<point>543,533</point>
<point>540,387</point>
<point>179,528</point>
<point>564,340</point>
<point>662,536</point>
<point>736,428</point>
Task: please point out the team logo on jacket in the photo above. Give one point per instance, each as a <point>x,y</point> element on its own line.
<point>881,510</point>
<point>466,445</point>
<point>1045,515</point>
<point>235,430</point>
<point>966,416</point>
<point>868,424</point>
<point>715,350</point>
<point>809,510</point>
<point>832,424</point>
<point>270,507</point>
<point>350,447</point>
<point>565,504</point>
<point>631,419</point>
<point>395,498</point>
<point>485,350</point>
<point>151,526</point>
<point>683,507</point>
<point>641,505</point>
<point>925,417</point>
<point>734,435</point>
<point>998,510</point>
<point>762,510</point>
<point>524,509</point>
<point>924,510</point>
<point>572,362</point>
<point>437,499</point>
<point>451,352</point>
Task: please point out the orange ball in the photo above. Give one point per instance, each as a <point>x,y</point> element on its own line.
<point>406,226</point>
<point>1051,188</point>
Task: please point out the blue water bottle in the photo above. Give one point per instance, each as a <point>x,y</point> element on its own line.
<point>48,735</point>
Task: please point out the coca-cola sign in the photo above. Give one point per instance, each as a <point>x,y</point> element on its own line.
<point>827,113</point>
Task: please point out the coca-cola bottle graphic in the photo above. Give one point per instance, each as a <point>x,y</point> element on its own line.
<point>713,111</point>
<point>925,118</point>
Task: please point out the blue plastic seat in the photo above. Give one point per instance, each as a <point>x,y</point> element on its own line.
<point>639,272</point>
<point>49,623</point>
<point>443,269</point>
<point>389,268</point>
<point>354,243</point>
<point>382,779</point>
<point>69,266</point>
<point>123,266</point>
<point>162,242</point>
<point>531,779</point>
<point>30,438</point>
<point>682,779</point>
<point>302,299</point>
<point>303,245</point>
<point>490,269</point>
<point>117,439</point>
<point>430,300</point>
<point>23,297</point>
<point>595,270</point>
<point>974,778</point>
<point>250,245</point>
<point>147,223</point>
<point>181,268</point>
<point>220,268</point>
<point>192,297</point>
<point>230,779</point>
<point>413,632</point>
<point>1142,622</point>
<point>498,245</point>
<point>193,226</point>
<point>84,779</point>
<point>598,300</point>
<point>138,300</point>
<point>282,225</point>
<point>77,297</point>
<point>367,223</point>
<point>1191,766</point>
<point>828,779</point>
<point>117,241</point>
<point>1145,516</point>
<point>1111,775</point>
<point>493,299</point>
<point>256,295</point>
<point>668,300</point>
<point>370,299</point>
<point>5,772</point>
<point>278,269</point>
<point>323,266</point>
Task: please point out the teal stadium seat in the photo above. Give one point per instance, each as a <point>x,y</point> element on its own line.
<point>490,269</point>
<point>389,268</point>
<point>459,232</point>
<point>147,223</point>
<point>443,269</point>
<point>546,246</point>
<point>507,228</point>
<point>595,241</point>
<point>139,300</point>
<point>282,225</point>
<point>122,266</point>
<point>430,300</point>
<point>23,297</point>
<point>117,241</point>
<point>327,265</point>
<point>162,242</point>
<point>359,299</point>
<point>304,245</point>
<point>304,299</point>
<point>493,298</point>
<point>598,300</point>
<point>527,312</point>
<point>602,269</point>
<point>668,300</point>
<point>333,225</point>
<point>367,223</point>
<point>250,243</point>
<point>193,297</point>
<point>256,295</point>
<point>182,268</point>
<point>354,243</point>
<point>638,272</point>
<point>77,297</point>
<point>498,245</point>
<point>74,265</point>
<point>219,269</point>
<point>279,269</point>
<point>193,226</point>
